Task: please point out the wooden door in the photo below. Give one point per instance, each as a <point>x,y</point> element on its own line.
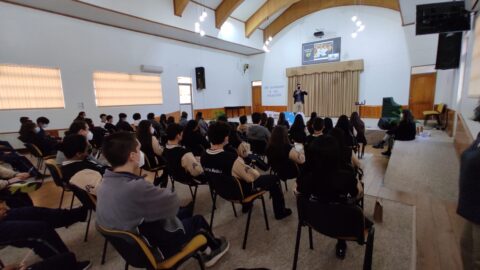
<point>422,93</point>
<point>256,99</point>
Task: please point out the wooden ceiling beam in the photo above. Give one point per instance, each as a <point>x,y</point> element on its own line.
<point>179,6</point>
<point>224,10</point>
<point>264,12</point>
<point>305,7</point>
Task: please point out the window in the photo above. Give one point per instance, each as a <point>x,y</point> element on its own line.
<point>185,89</point>
<point>26,87</point>
<point>117,89</point>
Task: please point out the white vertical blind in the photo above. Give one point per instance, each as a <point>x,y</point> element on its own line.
<point>118,89</point>
<point>28,87</point>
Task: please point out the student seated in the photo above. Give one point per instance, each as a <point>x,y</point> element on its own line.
<point>183,119</point>
<point>325,181</point>
<point>154,212</point>
<point>357,125</point>
<point>327,125</point>
<point>193,140</point>
<point>18,162</point>
<point>24,227</point>
<point>42,123</point>
<point>103,120</point>
<point>282,121</point>
<point>122,124</point>
<point>256,131</point>
<point>344,125</point>
<point>313,116</point>
<point>30,133</point>
<point>297,131</point>
<point>243,127</point>
<point>109,126</point>
<point>282,156</point>
<point>137,117</point>
<point>156,125</point>
<point>224,164</point>
<point>181,163</point>
<point>79,127</point>
<point>317,127</point>
<point>152,149</point>
<point>80,116</point>
<point>270,124</point>
<point>7,178</point>
<point>347,157</point>
<point>201,123</point>
<point>75,149</point>
<point>406,130</point>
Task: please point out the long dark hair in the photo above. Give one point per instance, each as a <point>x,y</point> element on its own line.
<point>323,157</point>
<point>276,145</point>
<point>189,131</point>
<point>144,136</point>
<point>343,123</point>
<point>298,123</point>
<point>27,131</point>
<point>407,117</point>
<point>327,125</point>
<point>270,123</point>
<point>281,118</point>
<point>356,122</point>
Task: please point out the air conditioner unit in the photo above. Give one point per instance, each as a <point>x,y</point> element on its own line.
<point>472,5</point>
<point>151,69</point>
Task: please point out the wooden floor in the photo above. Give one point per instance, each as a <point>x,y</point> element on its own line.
<point>438,227</point>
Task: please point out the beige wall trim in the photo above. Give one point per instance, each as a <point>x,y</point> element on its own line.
<point>354,65</point>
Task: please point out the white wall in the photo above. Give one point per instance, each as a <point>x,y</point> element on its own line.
<point>381,45</point>
<point>33,37</point>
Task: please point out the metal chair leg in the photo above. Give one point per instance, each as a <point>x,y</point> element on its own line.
<point>61,198</point>
<point>265,213</point>
<point>310,238</point>
<point>200,261</point>
<point>126,266</point>
<point>234,210</point>
<point>246,229</point>
<point>104,251</point>
<point>367,263</point>
<point>88,225</point>
<point>71,203</point>
<point>214,198</point>
<point>286,186</point>
<point>297,246</point>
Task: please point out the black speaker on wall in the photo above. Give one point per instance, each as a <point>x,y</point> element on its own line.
<point>449,50</point>
<point>200,77</point>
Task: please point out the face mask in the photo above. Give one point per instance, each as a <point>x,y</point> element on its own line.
<point>152,130</point>
<point>141,162</point>
<point>44,126</point>
<point>136,122</point>
<point>89,136</point>
<point>37,129</point>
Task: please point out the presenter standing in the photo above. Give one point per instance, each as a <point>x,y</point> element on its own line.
<point>298,98</point>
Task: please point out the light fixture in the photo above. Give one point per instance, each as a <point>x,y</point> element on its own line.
<point>204,14</point>
<point>354,34</point>
<point>267,42</point>
<point>202,33</point>
<point>270,38</point>
<point>359,23</point>
<point>265,48</point>
<point>197,27</point>
<point>361,28</point>
<point>354,18</point>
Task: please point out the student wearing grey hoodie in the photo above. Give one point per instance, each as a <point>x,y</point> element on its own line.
<point>126,201</point>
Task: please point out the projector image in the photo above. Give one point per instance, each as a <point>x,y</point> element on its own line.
<point>319,34</point>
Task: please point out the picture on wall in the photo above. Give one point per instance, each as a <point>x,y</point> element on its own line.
<point>327,50</point>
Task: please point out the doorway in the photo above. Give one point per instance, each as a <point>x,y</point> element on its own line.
<point>422,93</point>
<point>257,96</point>
<point>185,93</point>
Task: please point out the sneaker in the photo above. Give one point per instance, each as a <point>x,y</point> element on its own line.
<point>341,250</point>
<point>212,258</point>
<point>84,265</point>
<point>286,212</point>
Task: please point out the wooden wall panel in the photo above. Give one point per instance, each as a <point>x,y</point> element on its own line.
<point>274,108</point>
<point>463,138</point>
<point>373,111</point>
<point>208,114</point>
<point>175,115</point>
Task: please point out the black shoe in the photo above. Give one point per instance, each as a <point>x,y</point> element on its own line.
<point>286,212</point>
<point>212,258</point>
<point>84,265</point>
<point>246,207</point>
<point>387,153</point>
<point>379,145</point>
<point>341,250</point>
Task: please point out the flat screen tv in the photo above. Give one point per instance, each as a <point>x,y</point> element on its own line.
<point>442,18</point>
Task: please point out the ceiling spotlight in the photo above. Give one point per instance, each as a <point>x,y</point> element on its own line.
<point>201,18</point>
<point>359,23</point>
<point>270,38</point>
<point>202,33</point>
<point>361,28</point>
<point>267,42</point>
<point>354,34</point>
<point>197,27</point>
<point>265,48</point>
<point>204,14</point>
<point>354,18</point>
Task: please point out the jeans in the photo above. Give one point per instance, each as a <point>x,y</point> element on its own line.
<point>34,227</point>
<point>270,183</point>
<point>171,243</point>
<point>60,261</point>
<point>16,200</point>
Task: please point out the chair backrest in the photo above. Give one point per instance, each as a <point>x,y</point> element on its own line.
<point>98,135</point>
<point>287,169</point>
<point>55,171</point>
<point>87,200</point>
<point>258,146</point>
<point>332,219</point>
<point>34,150</point>
<point>440,108</point>
<point>228,188</point>
<point>133,248</point>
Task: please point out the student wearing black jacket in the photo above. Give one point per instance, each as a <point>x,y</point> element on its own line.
<point>122,124</point>
<point>405,131</point>
<point>30,133</point>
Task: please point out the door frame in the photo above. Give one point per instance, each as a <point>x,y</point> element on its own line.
<point>418,70</point>
<point>191,97</point>
<point>254,85</point>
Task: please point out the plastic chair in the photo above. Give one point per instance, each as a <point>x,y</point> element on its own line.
<point>57,176</point>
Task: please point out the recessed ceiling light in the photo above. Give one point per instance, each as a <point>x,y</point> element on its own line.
<point>354,18</point>
<point>202,33</point>
<point>354,34</point>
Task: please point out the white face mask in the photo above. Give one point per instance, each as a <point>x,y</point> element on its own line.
<point>89,136</point>
<point>152,130</point>
<point>141,162</point>
<point>136,122</point>
<point>45,126</point>
<point>37,129</point>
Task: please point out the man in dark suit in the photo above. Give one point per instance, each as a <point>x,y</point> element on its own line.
<point>299,98</point>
